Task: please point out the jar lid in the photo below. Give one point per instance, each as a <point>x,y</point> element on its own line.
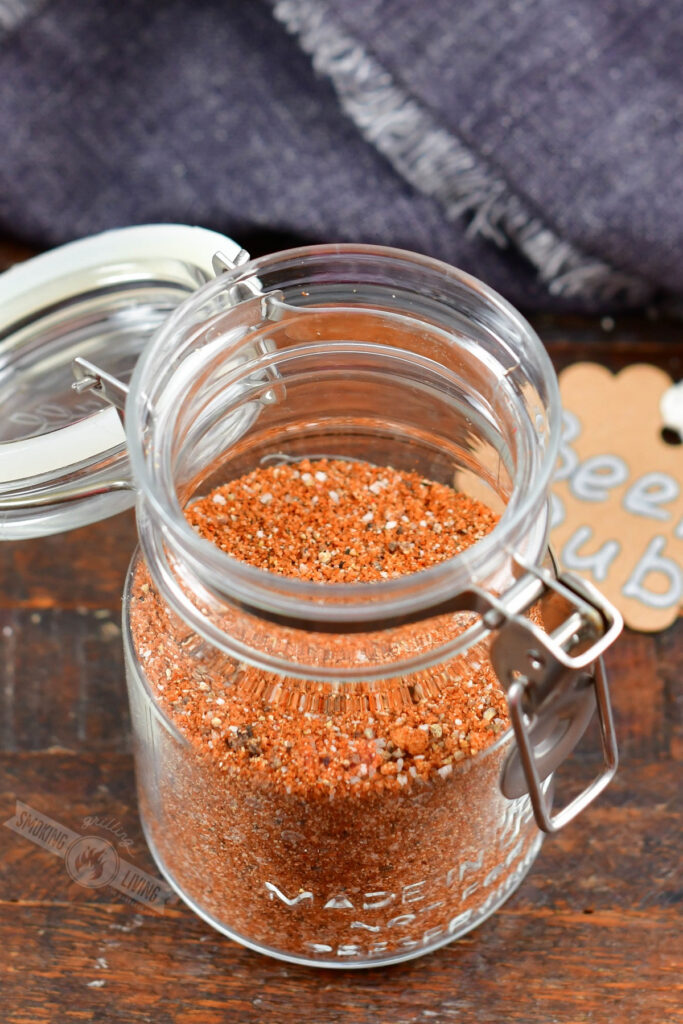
<point>63,457</point>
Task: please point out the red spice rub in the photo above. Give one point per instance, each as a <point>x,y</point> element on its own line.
<point>333,521</point>
<point>330,520</point>
<point>330,821</point>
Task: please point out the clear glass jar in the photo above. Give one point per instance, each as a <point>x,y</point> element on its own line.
<point>348,352</point>
<point>351,352</point>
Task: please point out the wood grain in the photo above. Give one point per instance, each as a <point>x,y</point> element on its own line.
<point>593,935</point>
<point>13,252</point>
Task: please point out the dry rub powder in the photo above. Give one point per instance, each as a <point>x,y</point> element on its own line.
<point>352,825</point>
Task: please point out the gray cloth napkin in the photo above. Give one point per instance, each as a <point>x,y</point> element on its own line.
<point>535,143</point>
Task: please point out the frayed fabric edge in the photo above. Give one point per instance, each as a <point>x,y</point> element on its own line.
<point>439,165</point>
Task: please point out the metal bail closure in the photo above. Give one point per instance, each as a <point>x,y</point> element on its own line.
<point>553,682</point>
<point>93,379</point>
<point>105,386</point>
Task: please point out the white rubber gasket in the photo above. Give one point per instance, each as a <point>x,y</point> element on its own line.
<point>61,448</point>
<point>39,282</point>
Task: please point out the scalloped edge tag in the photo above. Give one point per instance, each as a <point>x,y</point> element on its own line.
<point>617,497</point>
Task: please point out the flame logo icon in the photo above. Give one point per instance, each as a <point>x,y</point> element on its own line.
<point>92,861</point>
<point>90,864</point>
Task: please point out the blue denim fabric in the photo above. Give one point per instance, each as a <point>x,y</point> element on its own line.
<point>569,111</point>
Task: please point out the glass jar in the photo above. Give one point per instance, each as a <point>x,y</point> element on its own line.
<point>362,353</point>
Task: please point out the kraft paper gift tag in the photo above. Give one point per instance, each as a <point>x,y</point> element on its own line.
<point>617,508</point>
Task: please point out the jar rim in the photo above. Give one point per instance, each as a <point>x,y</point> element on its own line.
<point>394,595</point>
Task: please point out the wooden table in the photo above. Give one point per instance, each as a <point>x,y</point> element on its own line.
<point>593,934</point>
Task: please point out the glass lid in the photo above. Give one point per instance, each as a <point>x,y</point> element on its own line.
<point>63,458</point>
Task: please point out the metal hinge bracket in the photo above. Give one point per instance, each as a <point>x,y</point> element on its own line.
<point>554,680</point>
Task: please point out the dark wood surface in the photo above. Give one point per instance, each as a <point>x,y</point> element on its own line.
<point>593,935</point>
